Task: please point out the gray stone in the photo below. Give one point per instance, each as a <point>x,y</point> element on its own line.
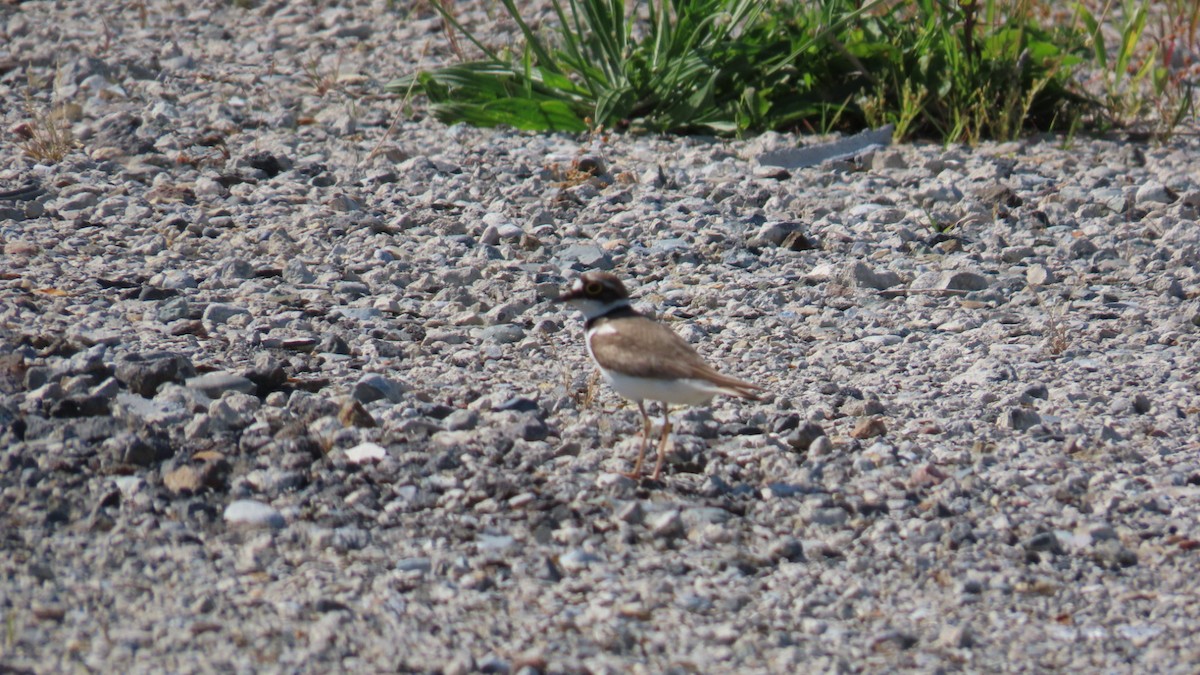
<point>219,312</point>
<point>773,233</point>
<point>233,270</point>
<point>358,313</point>
<point>1039,275</point>
<point>176,280</point>
<point>461,420</point>
<point>137,411</point>
<point>1019,419</point>
<point>803,436</point>
<point>1082,248</point>
<point>253,514</point>
<point>234,410</point>
<point>585,257</point>
<point>296,272</point>
<point>1044,541</point>
<point>667,525</point>
<point>861,275</point>
<point>216,383</point>
<point>527,426</point>
<point>963,281</point>
<point>129,448</point>
<point>503,334</point>
<point>173,309</point>
<point>373,387</point>
<point>145,373</point>
<point>74,205</point>
<point>1152,193</point>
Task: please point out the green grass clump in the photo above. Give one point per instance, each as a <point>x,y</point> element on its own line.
<point>959,70</point>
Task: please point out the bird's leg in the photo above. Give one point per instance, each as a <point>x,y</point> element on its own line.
<point>637,468</point>
<point>662,443</point>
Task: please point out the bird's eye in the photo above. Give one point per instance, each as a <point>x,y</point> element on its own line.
<point>594,288</point>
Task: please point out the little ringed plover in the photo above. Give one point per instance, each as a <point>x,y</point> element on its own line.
<point>642,359</point>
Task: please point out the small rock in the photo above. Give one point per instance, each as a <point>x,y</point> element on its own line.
<point>1142,404</point>
<point>868,427</point>
<point>773,233</point>
<point>787,549</point>
<point>216,383</point>
<point>144,373</point>
<point>296,272</point>
<point>267,373</point>
<point>219,312</point>
<point>860,275</point>
<point>831,517</point>
<point>173,309</point>
<point>129,448</point>
<point>576,560</point>
<point>1019,419</point>
<point>1038,391</point>
<point>234,410</point>
<point>803,436</point>
<point>461,420</point>
<point>631,513</point>
<point>1039,275</point>
<point>253,513</point>
<point>527,426</point>
<point>586,256</point>
<point>517,404</point>
<point>926,475</point>
<point>366,452</point>
<point>1044,541</point>
<point>373,387</point>
<point>72,206</point>
<point>888,159</point>
<point>503,334</point>
<point>1111,554</point>
<point>955,637</point>
<point>357,314</point>
<point>1082,248</point>
<point>275,481</point>
<point>1153,192</point>
<point>667,525</point>
<point>963,281</point>
<point>797,241</point>
<point>821,446</point>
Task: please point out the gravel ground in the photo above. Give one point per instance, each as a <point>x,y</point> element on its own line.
<point>281,391</point>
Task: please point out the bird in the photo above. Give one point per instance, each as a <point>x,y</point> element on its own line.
<point>644,360</point>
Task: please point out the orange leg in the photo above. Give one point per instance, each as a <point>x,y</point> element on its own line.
<point>637,468</point>
<point>662,443</point>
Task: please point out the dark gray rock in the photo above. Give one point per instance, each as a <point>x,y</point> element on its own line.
<point>801,437</point>
<point>144,373</point>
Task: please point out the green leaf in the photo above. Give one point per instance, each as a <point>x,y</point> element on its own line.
<point>519,113</point>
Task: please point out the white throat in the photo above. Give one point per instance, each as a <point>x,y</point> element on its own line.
<point>594,308</point>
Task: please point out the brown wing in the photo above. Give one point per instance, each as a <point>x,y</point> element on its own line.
<point>623,351</point>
